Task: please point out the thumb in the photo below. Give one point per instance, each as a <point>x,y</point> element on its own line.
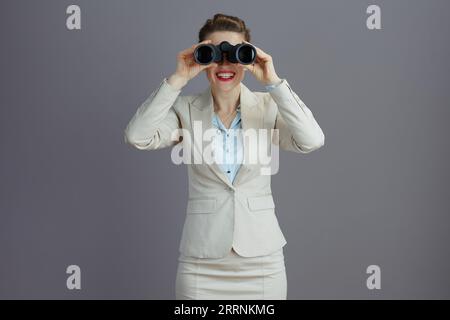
<point>248,67</point>
<point>211,65</point>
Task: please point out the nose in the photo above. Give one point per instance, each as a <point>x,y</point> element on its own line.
<point>224,59</point>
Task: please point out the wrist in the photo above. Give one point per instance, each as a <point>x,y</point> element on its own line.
<point>273,81</point>
<point>176,81</point>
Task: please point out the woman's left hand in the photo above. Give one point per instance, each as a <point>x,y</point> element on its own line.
<point>263,68</point>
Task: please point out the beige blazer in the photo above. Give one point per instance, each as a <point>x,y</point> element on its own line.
<point>219,214</point>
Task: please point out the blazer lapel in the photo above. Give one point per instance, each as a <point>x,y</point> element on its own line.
<point>201,120</point>
<point>251,119</point>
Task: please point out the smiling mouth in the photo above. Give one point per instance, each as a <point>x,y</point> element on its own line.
<point>225,76</point>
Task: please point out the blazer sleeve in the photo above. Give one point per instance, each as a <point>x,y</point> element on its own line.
<point>155,120</point>
<point>298,130</point>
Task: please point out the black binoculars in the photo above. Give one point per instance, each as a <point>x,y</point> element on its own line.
<point>242,53</point>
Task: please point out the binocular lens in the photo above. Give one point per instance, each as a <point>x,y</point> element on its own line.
<point>204,55</point>
<point>246,54</point>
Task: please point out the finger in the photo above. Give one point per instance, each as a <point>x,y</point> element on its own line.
<point>186,51</point>
<point>199,44</point>
<point>250,67</point>
<point>203,42</point>
<point>257,49</point>
<point>191,49</point>
<point>246,68</point>
<point>263,56</point>
<point>260,60</point>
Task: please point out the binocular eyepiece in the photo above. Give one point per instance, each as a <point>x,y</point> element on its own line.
<point>242,53</point>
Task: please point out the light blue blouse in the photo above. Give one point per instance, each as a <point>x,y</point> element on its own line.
<point>228,149</point>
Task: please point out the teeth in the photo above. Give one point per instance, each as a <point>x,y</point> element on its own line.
<point>225,75</point>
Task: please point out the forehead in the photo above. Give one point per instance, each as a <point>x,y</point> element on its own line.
<point>232,37</point>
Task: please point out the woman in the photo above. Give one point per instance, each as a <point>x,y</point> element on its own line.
<point>231,245</point>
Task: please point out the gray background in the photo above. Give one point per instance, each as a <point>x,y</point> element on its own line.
<point>72,192</point>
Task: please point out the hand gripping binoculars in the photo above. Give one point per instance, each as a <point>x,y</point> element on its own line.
<point>242,53</point>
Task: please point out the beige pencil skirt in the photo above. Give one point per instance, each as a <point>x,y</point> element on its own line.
<point>232,277</point>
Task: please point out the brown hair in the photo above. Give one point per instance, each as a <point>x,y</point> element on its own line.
<point>223,22</point>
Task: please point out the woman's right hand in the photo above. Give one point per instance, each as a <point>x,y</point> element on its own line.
<point>187,68</point>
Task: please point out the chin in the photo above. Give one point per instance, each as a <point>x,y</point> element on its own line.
<point>226,86</point>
